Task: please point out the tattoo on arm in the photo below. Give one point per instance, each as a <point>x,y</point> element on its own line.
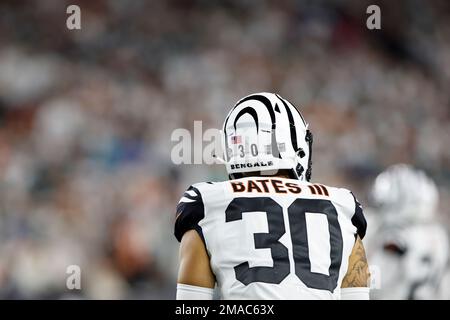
<point>358,271</point>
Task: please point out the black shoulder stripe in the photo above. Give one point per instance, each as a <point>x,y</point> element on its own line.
<point>191,194</point>
<point>186,195</point>
<point>358,219</point>
<point>189,214</point>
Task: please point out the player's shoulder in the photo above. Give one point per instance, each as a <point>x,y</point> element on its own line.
<point>347,201</point>
<point>191,207</point>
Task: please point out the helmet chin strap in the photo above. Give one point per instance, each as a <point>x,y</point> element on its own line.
<point>222,161</point>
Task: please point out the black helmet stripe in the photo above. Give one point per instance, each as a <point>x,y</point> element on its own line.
<point>250,111</point>
<point>295,108</point>
<point>264,100</point>
<point>300,114</point>
<point>291,125</point>
<point>225,134</point>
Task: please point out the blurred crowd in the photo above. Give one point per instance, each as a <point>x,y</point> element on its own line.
<point>86,118</point>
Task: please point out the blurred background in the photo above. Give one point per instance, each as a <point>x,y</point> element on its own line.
<point>86,118</point>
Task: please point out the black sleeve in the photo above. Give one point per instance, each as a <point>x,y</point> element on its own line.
<point>190,210</point>
<point>358,219</point>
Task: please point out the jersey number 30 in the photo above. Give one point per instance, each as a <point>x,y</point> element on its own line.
<point>297,222</point>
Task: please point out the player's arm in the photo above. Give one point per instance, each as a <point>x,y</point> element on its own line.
<point>196,281</point>
<point>195,269</point>
<point>195,278</point>
<point>355,285</point>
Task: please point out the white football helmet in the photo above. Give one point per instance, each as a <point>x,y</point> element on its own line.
<point>402,191</point>
<point>266,133</point>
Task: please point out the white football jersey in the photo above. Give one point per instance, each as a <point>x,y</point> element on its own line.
<point>410,260</point>
<point>273,238</point>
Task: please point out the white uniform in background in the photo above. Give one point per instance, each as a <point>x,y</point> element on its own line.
<point>407,248</point>
<point>274,238</point>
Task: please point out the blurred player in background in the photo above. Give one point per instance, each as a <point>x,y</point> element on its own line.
<point>408,244</point>
<point>269,233</point>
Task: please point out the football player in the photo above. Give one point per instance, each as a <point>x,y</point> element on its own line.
<point>268,232</point>
<point>408,246</point>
